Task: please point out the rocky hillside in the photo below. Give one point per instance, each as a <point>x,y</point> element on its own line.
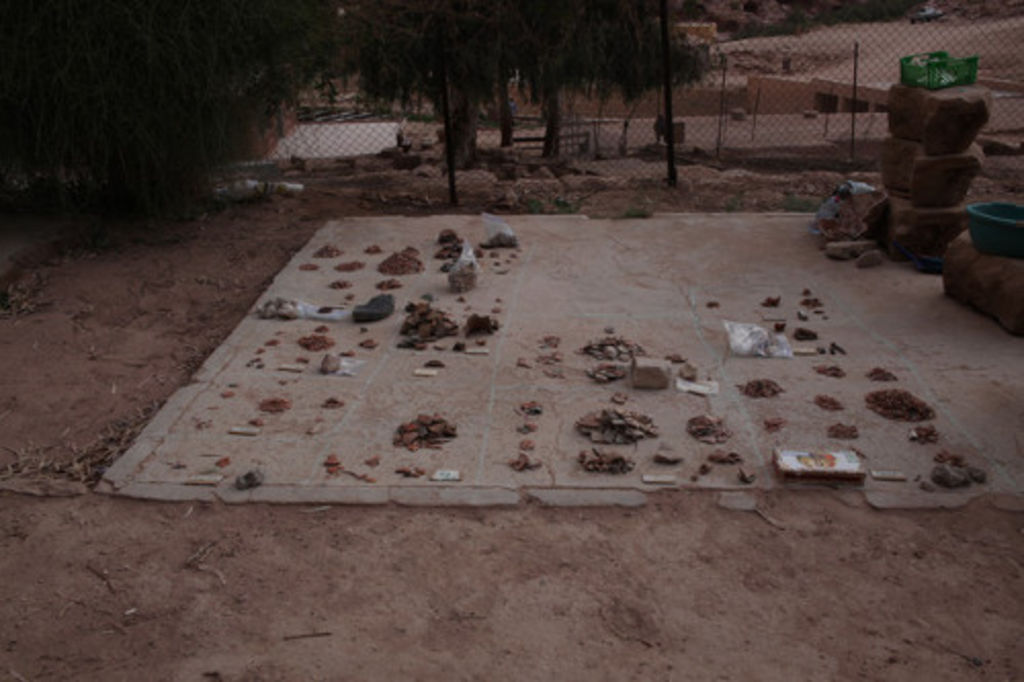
<point>734,15</point>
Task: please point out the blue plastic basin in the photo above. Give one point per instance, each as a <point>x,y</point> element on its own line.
<point>997,228</point>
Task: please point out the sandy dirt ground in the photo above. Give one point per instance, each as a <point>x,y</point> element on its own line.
<point>92,588</point>
<point>819,588</point>
<point>827,51</point>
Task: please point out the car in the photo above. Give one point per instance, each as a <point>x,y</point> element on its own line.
<point>926,14</point>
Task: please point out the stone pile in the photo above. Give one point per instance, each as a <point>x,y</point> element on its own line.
<point>929,162</point>
<point>616,427</point>
<point>404,262</point>
<point>426,431</point>
<point>612,348</point>
<point>597,461</point>
<point>424,324</point>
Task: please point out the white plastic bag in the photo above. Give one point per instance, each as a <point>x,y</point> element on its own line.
<point>750,340</point>
<point>830,208</point>
<point>288,309</point>
<point>308,311</point>
<point>854,187</point>
<point>251,190</point>
<point>499,233</point>
<point>462,276</point>
<point>349,367</point>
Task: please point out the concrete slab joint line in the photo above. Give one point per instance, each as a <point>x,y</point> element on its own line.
<point>561,497</point>
<point>329,439</point>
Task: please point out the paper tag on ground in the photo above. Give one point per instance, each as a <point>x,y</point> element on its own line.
<point>204,479</point>
<point>698,387</point>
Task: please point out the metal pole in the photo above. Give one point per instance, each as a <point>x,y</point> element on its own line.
<point>449,145</point>
<point>853,102</point>
<point>721,111</point>
<point>666,59</point>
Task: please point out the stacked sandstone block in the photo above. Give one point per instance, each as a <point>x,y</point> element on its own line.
<point>928,163</point>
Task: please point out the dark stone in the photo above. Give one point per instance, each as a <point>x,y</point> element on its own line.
<point>950,477</point>
<point>977,474</point>
<point>249,480</point>
<point>377,308</point>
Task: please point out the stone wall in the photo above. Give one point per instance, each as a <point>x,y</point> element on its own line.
<point>929,162</point>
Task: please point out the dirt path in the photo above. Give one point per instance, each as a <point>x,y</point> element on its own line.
<point>819,588</point>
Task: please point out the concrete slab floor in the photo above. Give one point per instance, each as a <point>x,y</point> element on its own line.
<point>651,280</point>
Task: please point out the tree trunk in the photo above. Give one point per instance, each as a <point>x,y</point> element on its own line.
<point>553,121</point>
<point>506,111</point>
<point>464,114</point>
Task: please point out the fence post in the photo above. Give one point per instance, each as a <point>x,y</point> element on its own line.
<point>853,102</point>
<point>449,145</point>
<point>666,58</point>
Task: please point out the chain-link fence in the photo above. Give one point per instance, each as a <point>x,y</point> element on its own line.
<point>790,90</point>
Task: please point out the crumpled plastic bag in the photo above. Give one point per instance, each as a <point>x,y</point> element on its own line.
<point>831,209</point>
<point>499,233</point>
<point>462,275</point>
<point>750,340</point>
<point>251,190</point>
<point>338,366</point>
<point>288,309</point>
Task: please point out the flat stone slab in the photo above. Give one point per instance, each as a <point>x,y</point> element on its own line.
<point>651,281</point>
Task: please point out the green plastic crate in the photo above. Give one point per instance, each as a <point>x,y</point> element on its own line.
<point>937,70</point>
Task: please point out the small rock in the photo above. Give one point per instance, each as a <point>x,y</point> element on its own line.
<point>426,170</point>
<point>668,460</point>
<point>651,374</point>
<point>950,477</point>
<point>377,308</point>
<point>848,250</point>
<point>870,259</point>
<point>977,475</point>
<point>249,480</point>
<point>330,364</point>
<point>508,199</point>
<point>688,372</point>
